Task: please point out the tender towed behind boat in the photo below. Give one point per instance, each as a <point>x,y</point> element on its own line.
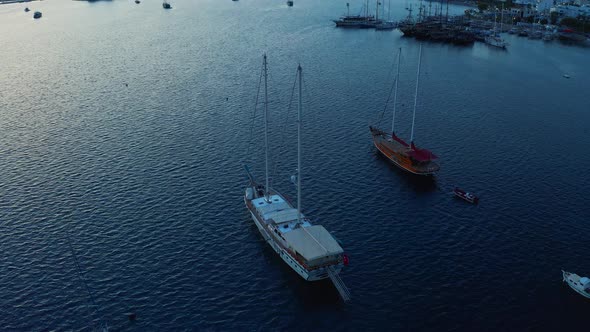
<point>577,283</point>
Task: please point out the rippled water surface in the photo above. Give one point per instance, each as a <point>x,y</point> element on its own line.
<point>124,128</point>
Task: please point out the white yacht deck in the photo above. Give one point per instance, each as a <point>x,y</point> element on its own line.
<point>279,211</point>
<point>310,241</point>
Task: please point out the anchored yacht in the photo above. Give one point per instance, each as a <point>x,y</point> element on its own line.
<point>310,250</point>
<point>405,156</point>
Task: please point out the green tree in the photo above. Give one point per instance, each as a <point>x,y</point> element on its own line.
<point>554,17</point>
<point>570,22</point>
<point>482,6</point>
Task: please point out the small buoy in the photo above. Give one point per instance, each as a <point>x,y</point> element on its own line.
<point>126,84</point>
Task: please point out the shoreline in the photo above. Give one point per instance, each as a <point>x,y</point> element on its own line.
<point>8,2</point>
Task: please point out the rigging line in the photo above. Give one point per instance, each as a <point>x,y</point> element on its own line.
<point>284,129</point>
<point>271,84</point>
<point>390,91</point>
<point>386,102</point>
<point>309,98</point>
<point>254,115</point>
<point>102,323</point>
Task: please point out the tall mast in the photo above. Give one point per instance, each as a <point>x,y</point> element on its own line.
<point>266,187</point>
<point>399,57</point>
<point>389,11</point>
<point>502,17</point>
<point>495,19</point>
<point>416,94</point>
<point>299,108</point>
<point>420,16</point>
<point>376,10</point>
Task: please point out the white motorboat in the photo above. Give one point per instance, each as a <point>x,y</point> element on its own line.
<point>577,283</point>
<point>496,41</point>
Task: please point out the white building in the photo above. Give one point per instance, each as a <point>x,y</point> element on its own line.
<point>522,12</point>
<point>543,5</point>
<point>572,11</point>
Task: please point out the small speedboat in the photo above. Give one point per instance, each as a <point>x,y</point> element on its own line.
<point>166,5</point>
<point>469,197</point>
<point>137,1</point>
<point>290,3</point>
<point>27,9</point>
<point>577,283</point>
<point>37,15</point>
<point>566,76</point>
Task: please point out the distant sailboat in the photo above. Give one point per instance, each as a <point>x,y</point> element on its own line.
<point>494,39</point>
<point>310,250</point>
<point>406,156</point>
<point>358,21</point>
<point>387,25</point>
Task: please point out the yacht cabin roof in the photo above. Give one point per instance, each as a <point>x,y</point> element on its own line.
<point>310,241</point>
<point>276,209</point>
<point>313,242</point>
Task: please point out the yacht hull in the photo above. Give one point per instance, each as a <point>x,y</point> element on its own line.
<point>309,275</point>
<point>396,153</point>
<point>573,280</point>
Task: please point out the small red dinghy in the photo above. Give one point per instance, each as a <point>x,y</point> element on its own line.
<point>469,197</point>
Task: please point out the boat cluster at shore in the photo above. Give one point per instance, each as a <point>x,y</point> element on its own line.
<point>460,29</point>
<point>366,20</point>
<point>549,33</point>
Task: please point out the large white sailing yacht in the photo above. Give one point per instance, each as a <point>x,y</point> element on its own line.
<point>310,250</point>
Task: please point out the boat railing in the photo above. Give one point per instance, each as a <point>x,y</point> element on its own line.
<point>339,284</point>
<point>301,261</point>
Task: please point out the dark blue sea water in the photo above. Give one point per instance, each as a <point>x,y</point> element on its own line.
<point>124,128</point>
